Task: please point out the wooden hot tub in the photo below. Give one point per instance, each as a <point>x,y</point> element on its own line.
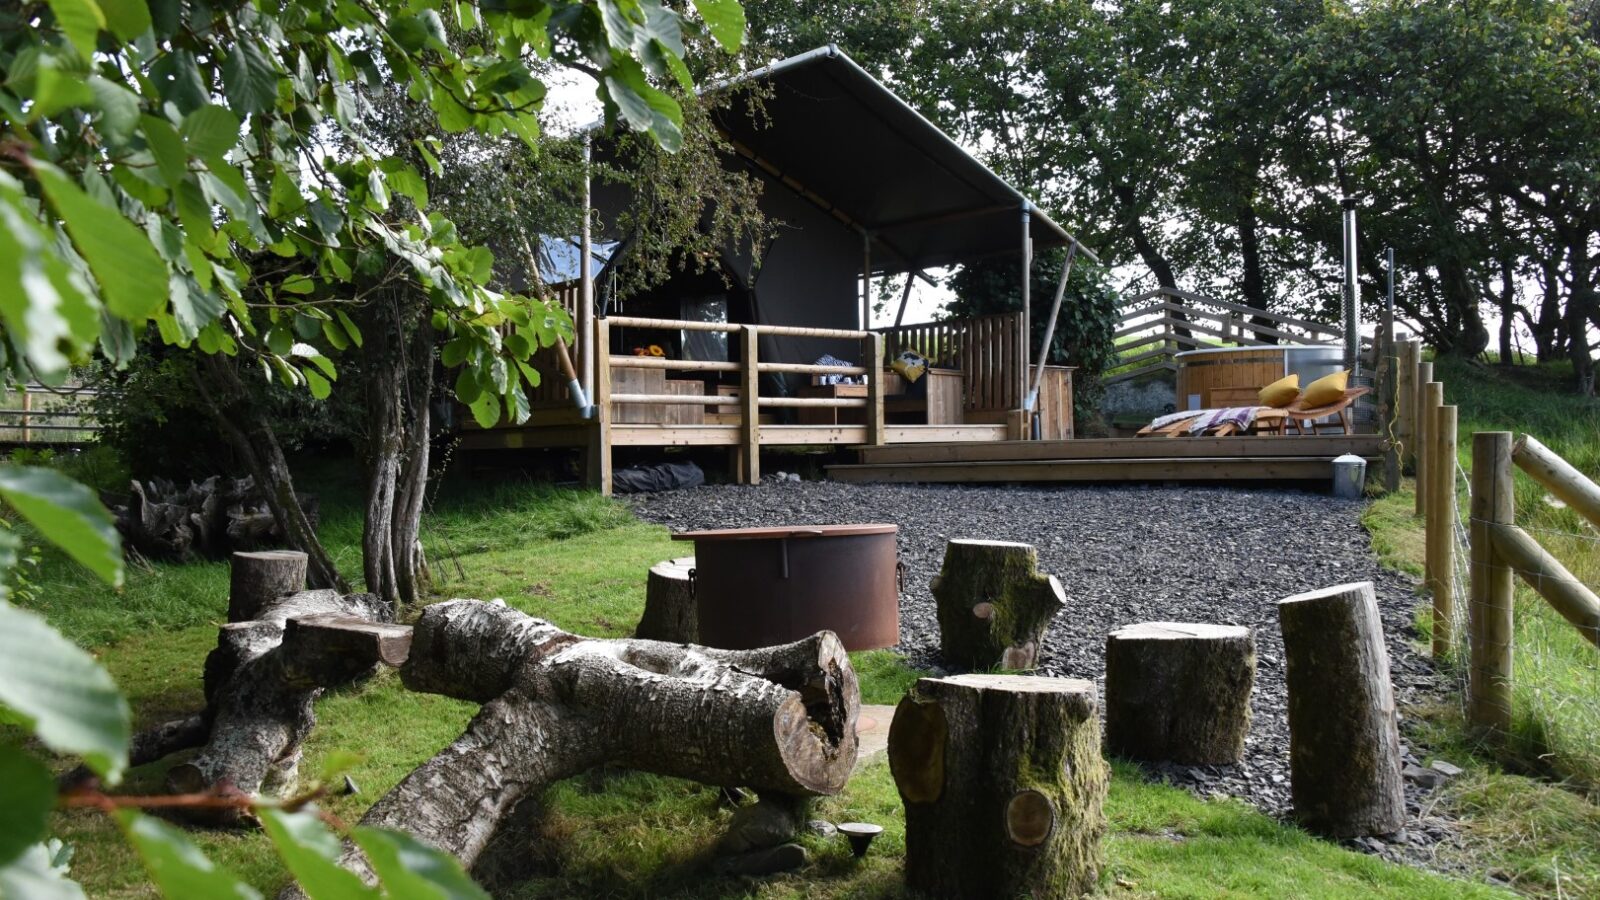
<point>1239,369</point>
<point>756,587</point>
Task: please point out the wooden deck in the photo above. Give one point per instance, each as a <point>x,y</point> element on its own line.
<point>1115,459</point>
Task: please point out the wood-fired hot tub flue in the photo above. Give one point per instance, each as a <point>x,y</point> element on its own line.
<point>755,587</point>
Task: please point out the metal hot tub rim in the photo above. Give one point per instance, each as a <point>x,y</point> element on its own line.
<point>756,587</point>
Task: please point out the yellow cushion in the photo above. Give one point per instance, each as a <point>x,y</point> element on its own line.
<point>1281,392</point>
<point>1327,389</point>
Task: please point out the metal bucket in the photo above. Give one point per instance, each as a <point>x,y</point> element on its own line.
<point>1349,477</point>
<point>755,587</point>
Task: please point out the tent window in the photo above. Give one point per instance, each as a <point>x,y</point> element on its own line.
<point>706,346</point>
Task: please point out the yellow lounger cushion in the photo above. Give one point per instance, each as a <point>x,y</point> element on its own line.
<point>1327,389</point>
<point>1281,392</point>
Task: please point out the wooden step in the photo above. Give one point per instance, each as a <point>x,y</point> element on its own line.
<point>1329,446</point>
<point>1214,468</point>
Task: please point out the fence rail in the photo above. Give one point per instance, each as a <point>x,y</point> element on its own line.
<point>1497,551</point>
<point>35,414</point>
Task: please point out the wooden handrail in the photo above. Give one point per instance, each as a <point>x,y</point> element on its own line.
<point>685,365</point>
<point>1546,575</point>
<point>813,402</point>
<point>674,399</point>
<point>811,369</point>
<point>731,328</point>
<point>1238,308</point>
<point>1558,476</point>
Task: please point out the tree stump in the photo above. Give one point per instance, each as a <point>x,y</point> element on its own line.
<point>993,604</point>
<point>1179,692</point>
<point>779,719</point>
<point>1344,746</point>
<point>257,578</point>
<point>669,608</point>
<point>1003,785</point>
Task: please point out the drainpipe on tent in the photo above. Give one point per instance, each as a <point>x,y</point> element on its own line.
<point>1027,288</point>
<point>586,348</point>
<point>1352,298</point>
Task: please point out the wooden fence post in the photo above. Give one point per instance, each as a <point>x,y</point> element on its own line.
<point>872,359</point>
<point>1441,528</point>
<point>749,407</point>
<point>1406,401</point>
<point>1432,399</point>
<point>1420,419</point>
<point>599,462</point>
<point>1493,503</point>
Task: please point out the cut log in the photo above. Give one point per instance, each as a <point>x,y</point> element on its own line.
<point>257,578</point>
<point>208,519</point>
<point>994,604</point>
<point>1344,746</point>
<point>1003,784</point>
<point>1179,692</point>
<point>262,679</point>
<point>779,719</point>
<point>669,607</point>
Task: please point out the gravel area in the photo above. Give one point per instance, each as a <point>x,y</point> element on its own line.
<point>1130,554</point>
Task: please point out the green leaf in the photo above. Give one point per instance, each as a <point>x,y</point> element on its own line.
<point>176,865</point>
<point>80,21</point>
<point>40,873</point>
<point>334,335</point>
<point>27,795</point>
<point>486,409</point>
<point>71,701</point>
<point>725,20</point>
<point>119,109</point>
<point>210,131</point>
<point>57,87</point>
<point>249,79</point>
<point>193,307</point>
<point>67,514</point>
<point>127,19</point>
<point>132,277</point>
<point>41,302</point>
<point>643,107</point>
<point>311,853</point>
<point>320,388</point>
<point>167,148</point>
<point>349,327</point>
<point>408,868</point>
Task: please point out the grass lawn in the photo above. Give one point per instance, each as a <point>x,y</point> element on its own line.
<point>1528,798</point>
<point>579,561</point>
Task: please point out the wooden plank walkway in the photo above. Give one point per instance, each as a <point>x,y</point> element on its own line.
<point>1111,460</point>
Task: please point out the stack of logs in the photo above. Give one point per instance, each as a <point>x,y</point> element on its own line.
<point>207,519</point>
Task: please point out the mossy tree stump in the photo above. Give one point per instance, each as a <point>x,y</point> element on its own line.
<point>1003,785</point>
<point>669,608</point>
<point>1179,692</point>
<point>1344,745</point>
<point>994,604</point>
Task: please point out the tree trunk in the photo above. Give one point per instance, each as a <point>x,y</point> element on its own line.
<point>262,679</point>
<point>669,607</point>
<point>398,370</point>
<point>779,719</point>
<point>993,604</point>
<point>1344,746</point>
<point>1580,303</point>
<point>1253,281</point>
<point>1003,785</point>
<point>257,579</point>
<point>1179,692</point>
<point>252,437</point>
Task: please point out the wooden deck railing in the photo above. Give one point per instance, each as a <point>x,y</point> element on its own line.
<point>34,414</point>
<point>748,399</point>
<point>988,350</point>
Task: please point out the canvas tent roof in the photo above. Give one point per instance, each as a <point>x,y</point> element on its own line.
<point>839,137</point>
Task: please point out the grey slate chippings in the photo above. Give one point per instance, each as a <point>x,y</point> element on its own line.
<point>1128,554</point>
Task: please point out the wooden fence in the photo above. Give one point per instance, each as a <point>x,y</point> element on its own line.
<point>34,414</point>
<point>989,351</point>
<point>1496,550</point>
<point>1166,321</point>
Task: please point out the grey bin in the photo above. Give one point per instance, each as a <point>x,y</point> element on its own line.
<point>1349,476</point>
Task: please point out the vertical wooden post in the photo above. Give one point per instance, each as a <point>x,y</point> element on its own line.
<point>872,359</point>
<point>27,420</point>
<point>1441,533</point>
<point>1432,399</point>
<point>749,406</point>
<point>598,469</point>
<point>1420,419</point>
<point>1388,369</point>
<point>1406,402</point>
<point>1493,503</point>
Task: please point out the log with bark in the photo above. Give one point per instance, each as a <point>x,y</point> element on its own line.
<point>1344,744</point>
<point>994,604</point>
<point>207,519</point>
<point>780,719</point>
<point>669,608</point>
<point>1003,784</point>
<point>1179,692</point>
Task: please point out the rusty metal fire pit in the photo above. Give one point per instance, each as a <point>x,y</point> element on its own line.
<point>755,587</point>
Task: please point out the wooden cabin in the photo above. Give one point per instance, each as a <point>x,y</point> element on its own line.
<point>863,188</point>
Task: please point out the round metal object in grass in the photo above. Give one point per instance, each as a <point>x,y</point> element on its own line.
<point>860,835</point>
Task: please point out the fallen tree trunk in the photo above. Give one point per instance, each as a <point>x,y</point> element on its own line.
<point>780,719</point>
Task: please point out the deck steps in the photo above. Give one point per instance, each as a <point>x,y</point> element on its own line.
<point>1111,460</point>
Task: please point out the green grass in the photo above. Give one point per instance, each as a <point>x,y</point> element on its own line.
<point>579,561</point>
<point>1527,799</point>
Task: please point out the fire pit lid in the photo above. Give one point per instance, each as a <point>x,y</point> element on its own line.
<point>785,531</point>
